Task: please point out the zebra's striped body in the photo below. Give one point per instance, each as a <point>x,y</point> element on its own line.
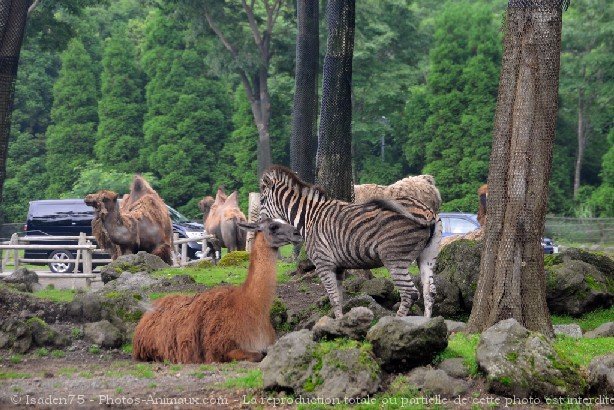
<point>340,235</point>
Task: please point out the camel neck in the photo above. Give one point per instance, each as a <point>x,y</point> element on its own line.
<point>261,281</point>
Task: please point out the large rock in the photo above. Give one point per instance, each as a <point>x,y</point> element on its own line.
<point>601,375</point>
<point>24,280</point>
<point>570,330</point>
<point>368,302</point>
<point>326,370</point>
<point>44,335</point>
<point>575,287</point>
<point>131,282</point>
<point>437,382</point>
<point>140,262</point>
<point>605,330</point>
<point>603,263</point>
<point>454,367</point>
<point>104,334</point>
<point>456,277</point>
<point>382,290</point>
<point>521,363</point>
<point>401,343</point>
<point>21,334</point>
<point>354,325</point>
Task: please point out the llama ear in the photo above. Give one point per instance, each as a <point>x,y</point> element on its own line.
<point>252,227</point>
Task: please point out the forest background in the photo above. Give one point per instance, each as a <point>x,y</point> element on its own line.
<point>144,86</point>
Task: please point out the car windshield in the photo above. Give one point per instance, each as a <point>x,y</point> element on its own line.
<point>177,217</point>
<point>458,225</point>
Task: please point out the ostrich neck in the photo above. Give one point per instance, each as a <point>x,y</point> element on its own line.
<point>259,286</point>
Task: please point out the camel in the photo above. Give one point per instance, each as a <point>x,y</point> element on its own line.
<point>141,223</point>
<point>224,323</point>
<point>221,218</point>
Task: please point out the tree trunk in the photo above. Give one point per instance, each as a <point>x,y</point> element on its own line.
<point>334,160</point>
<point>512,281</point>
<point>581,143</point>
<point>13,16</point>
<point>304,141</point>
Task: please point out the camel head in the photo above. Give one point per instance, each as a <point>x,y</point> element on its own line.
<point>102,201</point>
<point>277,233</point>
<point>205,205</point>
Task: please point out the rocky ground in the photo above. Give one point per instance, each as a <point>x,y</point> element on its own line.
<point>78,353</point>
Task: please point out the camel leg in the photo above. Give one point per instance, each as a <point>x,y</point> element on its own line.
<point>238,354</point>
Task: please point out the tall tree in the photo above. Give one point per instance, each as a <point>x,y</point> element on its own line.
<point>512,281</point>
<point>71,137</point>
<point>587,69</point>
<point>13,15</point>
<point>334,161</point>
<point>304,141</point>
<point>450,120</point>
<point>234,23</point>
<point>120,110</point>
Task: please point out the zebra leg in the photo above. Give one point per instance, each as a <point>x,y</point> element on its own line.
<point>407,289</point>
<point>329,280</point>
<point>426,262</point>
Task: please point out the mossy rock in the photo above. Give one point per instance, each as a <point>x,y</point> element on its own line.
<point>236,258</point>
<point>279,316</point>
<point>203,264</point>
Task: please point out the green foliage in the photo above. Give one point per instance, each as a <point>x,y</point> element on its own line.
<point>94,349</point>
<point>120,109</point>
<point>70,139</point>
<point>94,177</point>
<point>451,117</point>
<point>251,380</point>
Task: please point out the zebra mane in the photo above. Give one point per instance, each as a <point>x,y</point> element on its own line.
<point>280,170</point>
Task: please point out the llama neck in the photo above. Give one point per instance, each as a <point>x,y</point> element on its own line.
<point>259,287</point>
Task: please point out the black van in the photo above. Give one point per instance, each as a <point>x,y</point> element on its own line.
<point>69,217</point>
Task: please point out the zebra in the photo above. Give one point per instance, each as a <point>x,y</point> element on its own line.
<point>340,235</point>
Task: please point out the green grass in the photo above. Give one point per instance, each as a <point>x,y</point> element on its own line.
<point>217,275</point>
<point>139,370</point>
<point>14,375</point>
<point>581,351</point>
<point>94,349</point>
<point>56,295</point>
<point>383,272</point>
<point>588,321</point>
<point>58,354</point>
<point>42,352</point>
<point>16,359</point>
<point>462,345</point>
<point>251,380</point>
<point>127,348</point>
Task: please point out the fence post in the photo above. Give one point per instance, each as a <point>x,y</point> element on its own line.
<point>203,246</point>
<point>253,215</point>
<point>15,241</point>
<point>184,254</point>
<point>176,249</point>
<point>80,254</point>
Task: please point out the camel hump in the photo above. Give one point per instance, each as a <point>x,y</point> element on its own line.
<point>233,199</point>
<point>220,196</point>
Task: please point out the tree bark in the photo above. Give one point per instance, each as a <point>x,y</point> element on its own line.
<point>13,17</point>
<point>334,160</point>
<point>304,140</point>
<point>581,143</point>
<point>512,281</point>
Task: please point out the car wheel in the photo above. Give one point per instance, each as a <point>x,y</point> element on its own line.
<point>60,266</point>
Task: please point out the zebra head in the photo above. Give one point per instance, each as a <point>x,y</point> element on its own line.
<point>272,186</point>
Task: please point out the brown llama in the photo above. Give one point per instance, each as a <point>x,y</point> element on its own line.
<point>140,223</point>
<point>224,323</point>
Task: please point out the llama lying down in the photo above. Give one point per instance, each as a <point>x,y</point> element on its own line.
<point>224,323</point>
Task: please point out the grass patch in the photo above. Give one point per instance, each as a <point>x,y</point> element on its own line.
<point>216,275</point>
<point>127,348</point>
<point>251,380</point>
<point>67,371</point>
<point>56,295</point>
<point>58,354</point>
<point>581,351</point>
<point>588,321</point>
<point>383,272</point>
<point>16,359</point>
<point>94,349</point>
<point>42,352</point>
<point>462,345</point>
<point>14,375</point>
<point>139,370</point>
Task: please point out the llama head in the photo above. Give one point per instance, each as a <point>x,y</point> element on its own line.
<point>277,233</point>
